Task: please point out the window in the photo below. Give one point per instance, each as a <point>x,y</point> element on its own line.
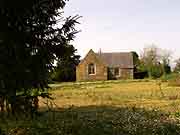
<point>91,69</point>
<point>116,71</point>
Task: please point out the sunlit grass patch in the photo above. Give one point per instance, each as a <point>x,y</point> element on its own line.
<point>138,93</point>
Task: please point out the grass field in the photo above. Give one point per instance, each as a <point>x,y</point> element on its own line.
<point>147,94</point>
<point>138,107</point>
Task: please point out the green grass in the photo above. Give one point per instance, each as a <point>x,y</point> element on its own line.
<point>96,120</point>
<point>128,107</point>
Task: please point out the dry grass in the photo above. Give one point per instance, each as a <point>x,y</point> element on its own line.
<point>141,94</point>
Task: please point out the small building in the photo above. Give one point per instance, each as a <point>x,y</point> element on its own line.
<point>105,66</point>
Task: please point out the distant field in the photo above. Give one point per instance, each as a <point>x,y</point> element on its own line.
<point>148,94</point>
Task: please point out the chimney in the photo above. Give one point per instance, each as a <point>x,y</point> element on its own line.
<point>100,52</point>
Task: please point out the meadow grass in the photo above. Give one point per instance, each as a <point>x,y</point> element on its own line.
<point>133,93</point>
<point>128,107</point>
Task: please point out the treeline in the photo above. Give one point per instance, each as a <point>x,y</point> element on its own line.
<point>154,62</point>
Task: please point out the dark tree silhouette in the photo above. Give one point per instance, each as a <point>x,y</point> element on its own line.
<point>30,41</point>
<point>136,60</point>
<point>65,70</point>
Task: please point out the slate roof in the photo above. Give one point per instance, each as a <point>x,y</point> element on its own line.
<point>119,59</point>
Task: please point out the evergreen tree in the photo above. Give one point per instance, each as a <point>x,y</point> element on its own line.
<point>30,41</point>
<point>66,66</point>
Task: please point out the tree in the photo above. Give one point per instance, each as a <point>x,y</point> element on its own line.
<point>177,66</point>
<point>30,41</point>
<point>155,60</point>
<point>66,66</point>
<point>136,60</point>
<point>149,58</point>
<point>165,59</point>
<point>156,70</point>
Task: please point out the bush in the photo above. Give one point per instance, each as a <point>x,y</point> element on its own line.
<point>168,77</point>
<point>156,71</point>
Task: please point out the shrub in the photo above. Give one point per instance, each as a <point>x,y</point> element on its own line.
<point>168,77</point>
<point>156,71</point>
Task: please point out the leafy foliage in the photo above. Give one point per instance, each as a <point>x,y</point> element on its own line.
<point>136,60</point>
<point>156,71</point>
<point>155,61</point>
<point>66,66</point>
<point>30,41</point>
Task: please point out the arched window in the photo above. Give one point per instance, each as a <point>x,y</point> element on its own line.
<point>91,69</point>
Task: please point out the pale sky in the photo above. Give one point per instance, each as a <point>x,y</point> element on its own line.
<point>126,25</point>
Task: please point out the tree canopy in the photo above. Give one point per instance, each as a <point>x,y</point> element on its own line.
<point>30,41</point>
<point>155,61</point>
<point>65,70</point>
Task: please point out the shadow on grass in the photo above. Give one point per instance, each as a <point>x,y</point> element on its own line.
<point>94,120</point>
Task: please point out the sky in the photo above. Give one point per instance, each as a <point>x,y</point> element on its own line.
<point>126,25</point>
